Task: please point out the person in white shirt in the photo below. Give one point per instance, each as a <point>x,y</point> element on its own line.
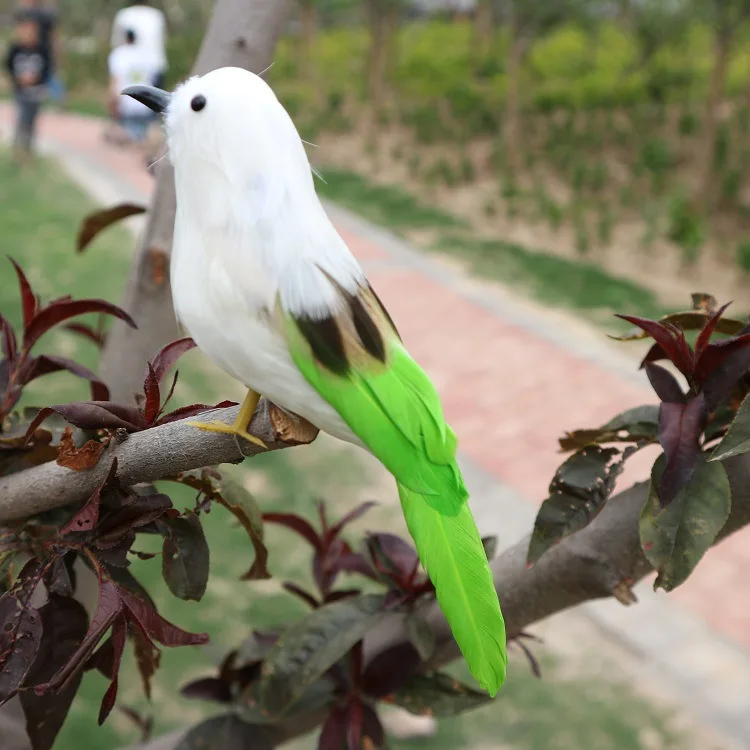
<point>150,27</point>
<point>130,64</point>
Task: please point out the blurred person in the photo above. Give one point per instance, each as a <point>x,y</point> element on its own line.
<point>28,64</point>
<point>129,64</point>
<point>150,27</point>
<point>45,16</point>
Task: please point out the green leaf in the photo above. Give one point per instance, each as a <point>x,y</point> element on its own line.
<point>632,426</point>
<point>317,696</point>
<point>490,546</point>
<point>737,440</point>
<point>226,732</point>
<point>438,695</point>
<point>236,499</point>
<point>421,635</point>
<point>675,538</point>
<point>185,556</point>
<point>312,646</point>
<point>577,493</point>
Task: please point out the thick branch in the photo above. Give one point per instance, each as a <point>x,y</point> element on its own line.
<point>605,559</point>
<point>242,33</point>
<point>147,456</point>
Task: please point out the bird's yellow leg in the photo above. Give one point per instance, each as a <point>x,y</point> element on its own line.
<point>240,425</point>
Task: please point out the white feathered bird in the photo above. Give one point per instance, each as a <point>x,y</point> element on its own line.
<point>268,289</point>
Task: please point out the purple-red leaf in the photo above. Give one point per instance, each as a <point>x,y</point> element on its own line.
<point>156,627</point>
<point>20,638</point>
<point>88,515</point>
<point>62,310</point>
<point>119,636</point>
<point>390,669</point>
<point>64,625</point>
<point>163,361</point>
<point>704,337</point>
<point>153,394</point>
<point>93,415</point>
<point>297,524</point>
<point>147,658</point>
<point>372,729</point>
<point>208,689</point>
<point>393,553</point>
<point>8,338</point>
<point>48,363</point>
<point>671,340</point>
<point>96,337</point>
<point>680,426</point>
<point>351,516</point>
<point>352,563</point>
<point>28,299</point>
<point>190,411</point>
<point>333,733</point>
<point>101,219</point>
<point>292,588</point>
<point>664,383</point>
<point>108,608</point>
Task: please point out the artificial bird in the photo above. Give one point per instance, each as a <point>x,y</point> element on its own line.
<point>268,289</point>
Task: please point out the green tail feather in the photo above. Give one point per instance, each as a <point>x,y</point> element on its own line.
<point>451,550</point>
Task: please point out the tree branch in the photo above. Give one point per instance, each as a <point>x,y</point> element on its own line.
<point>147,456</point>
<point>604,559</point>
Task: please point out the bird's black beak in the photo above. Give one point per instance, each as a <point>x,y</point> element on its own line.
<point>155,99</point>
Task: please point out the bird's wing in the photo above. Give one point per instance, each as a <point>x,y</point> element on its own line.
<point>356,361</point>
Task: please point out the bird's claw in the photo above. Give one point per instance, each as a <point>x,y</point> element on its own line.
<point>229,429</point>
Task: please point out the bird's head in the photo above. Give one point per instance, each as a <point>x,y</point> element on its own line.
<point>228,125</point>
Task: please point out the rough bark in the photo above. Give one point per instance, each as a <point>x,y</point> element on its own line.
<point>241,33</point>
<point>483,28</point>
<point>147,456</point>
<point>605,559</point>
<point>382,22</point>
<point>722,48</point>
<point>308,16</point>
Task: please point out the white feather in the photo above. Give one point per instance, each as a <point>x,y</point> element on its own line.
<point>250,230</point>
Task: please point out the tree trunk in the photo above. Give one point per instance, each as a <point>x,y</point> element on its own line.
<point>377,54</point>
<point>703,198</point>
<point>511,123</point>
<point>308,16</point>
<point>483,28</point>
<point>241,33</point>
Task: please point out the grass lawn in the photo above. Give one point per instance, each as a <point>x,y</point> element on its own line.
<point>38,221</point>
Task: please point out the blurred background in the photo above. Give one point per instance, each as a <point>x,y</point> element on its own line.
<point>552,162</point>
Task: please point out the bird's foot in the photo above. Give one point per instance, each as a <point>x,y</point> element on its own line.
<point>229,429</point>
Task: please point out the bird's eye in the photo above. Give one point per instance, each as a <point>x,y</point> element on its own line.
<point>197,103</point>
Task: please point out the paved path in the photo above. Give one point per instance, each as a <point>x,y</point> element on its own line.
<point>513,378</point>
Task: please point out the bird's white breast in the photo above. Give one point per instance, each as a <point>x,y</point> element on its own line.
<point>223,295</point>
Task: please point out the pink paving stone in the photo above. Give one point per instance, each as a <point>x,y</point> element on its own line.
<point>508,394</point>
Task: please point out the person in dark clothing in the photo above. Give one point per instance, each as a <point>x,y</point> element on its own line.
<point>28,64</point>
<point>46,20</point>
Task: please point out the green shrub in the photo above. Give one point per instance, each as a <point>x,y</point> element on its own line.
<point>685,227</point>
<point>605,223</point>
<point>657,156</point>
<point>688,123</point>
<point>731,185</point>
<point>467,169</point>
<point>722,145</point>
